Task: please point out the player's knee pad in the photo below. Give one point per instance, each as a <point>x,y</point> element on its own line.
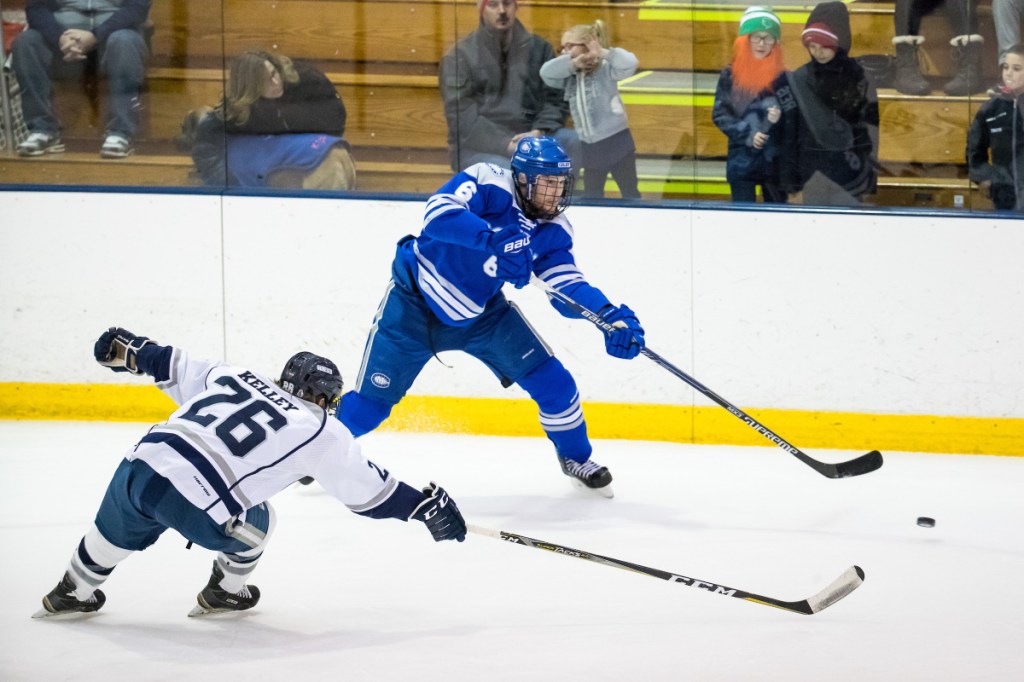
<point>360,414</point>
<point>254,532</point>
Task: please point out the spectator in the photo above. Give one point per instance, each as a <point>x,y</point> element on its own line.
<point>747,110</point>
<point>62,37</point>
<point>493,93</point>
<point>1006,15</point>
<point>998,131</point>
<point>588,70</point>
<point>963,19</point>
<point>279,124</point>
<point>830,117</point>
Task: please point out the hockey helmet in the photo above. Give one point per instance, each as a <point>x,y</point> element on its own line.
<point>312,377</point>
<point>543,177</point>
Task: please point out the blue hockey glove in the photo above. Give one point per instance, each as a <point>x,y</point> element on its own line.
<point>438,511</point>
<point>627,340</point>
<point>117,349</point>
<point>514,258</point>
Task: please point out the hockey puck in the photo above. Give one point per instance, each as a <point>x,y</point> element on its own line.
<point>925,522</point>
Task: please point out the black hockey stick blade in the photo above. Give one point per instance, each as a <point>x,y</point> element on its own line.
<point>864,464</point>
<point>850,580</point>
<point>855,467</point>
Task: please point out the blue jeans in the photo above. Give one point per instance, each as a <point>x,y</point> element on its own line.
<point>122,59</point>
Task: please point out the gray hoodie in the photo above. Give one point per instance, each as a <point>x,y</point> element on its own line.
<point>594,100</point>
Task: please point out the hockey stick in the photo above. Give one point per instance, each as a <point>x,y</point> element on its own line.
<point>849,581</point>
<point>863,464</point>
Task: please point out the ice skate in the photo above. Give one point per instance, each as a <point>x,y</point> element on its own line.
<point>61,601</point>
<point>215,599</point>
<point>589,474</point>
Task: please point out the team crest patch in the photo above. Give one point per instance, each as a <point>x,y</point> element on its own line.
<point>524,146</point>
<point>380,380</point>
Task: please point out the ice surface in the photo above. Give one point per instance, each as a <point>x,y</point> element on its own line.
<point>349,598</point>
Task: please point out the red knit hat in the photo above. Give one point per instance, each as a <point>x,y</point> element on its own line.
<point>484,2</point>
<point>821,34</point>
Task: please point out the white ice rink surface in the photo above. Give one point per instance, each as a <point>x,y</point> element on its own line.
<point>349,598</point>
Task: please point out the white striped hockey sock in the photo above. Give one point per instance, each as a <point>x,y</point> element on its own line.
<point>93,562</point>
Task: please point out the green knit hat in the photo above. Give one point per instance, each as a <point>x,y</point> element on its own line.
<point>760,19</point>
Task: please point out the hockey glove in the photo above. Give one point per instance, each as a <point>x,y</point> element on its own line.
<point>117,349</point>
<point>627,340</point>
<point>514,258</point>
<point>438,511</point>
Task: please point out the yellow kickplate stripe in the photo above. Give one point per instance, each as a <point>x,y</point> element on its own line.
<point>671,423</point>
<point>656,13</point>
<point>667,99</point>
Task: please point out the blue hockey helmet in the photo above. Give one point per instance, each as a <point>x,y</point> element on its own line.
<point>312,377</point>
<point>543,177</point>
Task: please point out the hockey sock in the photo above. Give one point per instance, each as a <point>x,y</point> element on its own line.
<point>93,562</point>
<point>360,414</point>
<point>561,416</point>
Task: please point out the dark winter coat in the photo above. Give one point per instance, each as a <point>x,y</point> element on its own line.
<point>830,115</point>
<point>998,130</point>
<point>101,17</point>
<point>310,106</point>
<point>740,118</point>
<point>493,91</point>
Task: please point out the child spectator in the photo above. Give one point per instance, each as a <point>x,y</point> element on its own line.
<point>830,117</point>
<point>588,70</point>
<point>748,112</point>
<point>998,131</point>
<point>279,124</point>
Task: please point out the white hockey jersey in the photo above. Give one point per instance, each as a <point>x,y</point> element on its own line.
<point>237,439</point>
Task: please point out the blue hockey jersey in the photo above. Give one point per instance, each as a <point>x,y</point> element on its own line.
<point>450,262</point>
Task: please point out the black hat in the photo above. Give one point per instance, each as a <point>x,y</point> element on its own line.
<point>836,17</point>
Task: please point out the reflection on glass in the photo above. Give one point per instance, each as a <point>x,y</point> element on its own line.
<point>431,85</point>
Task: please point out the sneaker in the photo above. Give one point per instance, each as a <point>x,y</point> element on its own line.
<point>37,144</point>
<point>62,600</point>
<point>116,147</point>
<point>215,599</point>
<point>588,474</point>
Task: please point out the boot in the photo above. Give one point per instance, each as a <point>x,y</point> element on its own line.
<point>909,80</point>
<point>588,474</point>
<point>62,600</point>
<point>215,599</point>
<point>967,53</point>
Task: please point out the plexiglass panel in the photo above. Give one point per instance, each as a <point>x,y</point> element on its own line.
<point>860,104</point>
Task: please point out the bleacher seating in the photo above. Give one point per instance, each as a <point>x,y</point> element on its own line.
<point>382,56</point>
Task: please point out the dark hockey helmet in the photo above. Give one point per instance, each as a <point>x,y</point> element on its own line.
<point>312,377</point>
<point>543,177</point>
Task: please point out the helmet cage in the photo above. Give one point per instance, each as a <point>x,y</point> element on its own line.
<point>312,377</point>
<point>537,157</point>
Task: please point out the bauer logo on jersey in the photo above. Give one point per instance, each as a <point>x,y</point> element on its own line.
<point>380,380</point>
